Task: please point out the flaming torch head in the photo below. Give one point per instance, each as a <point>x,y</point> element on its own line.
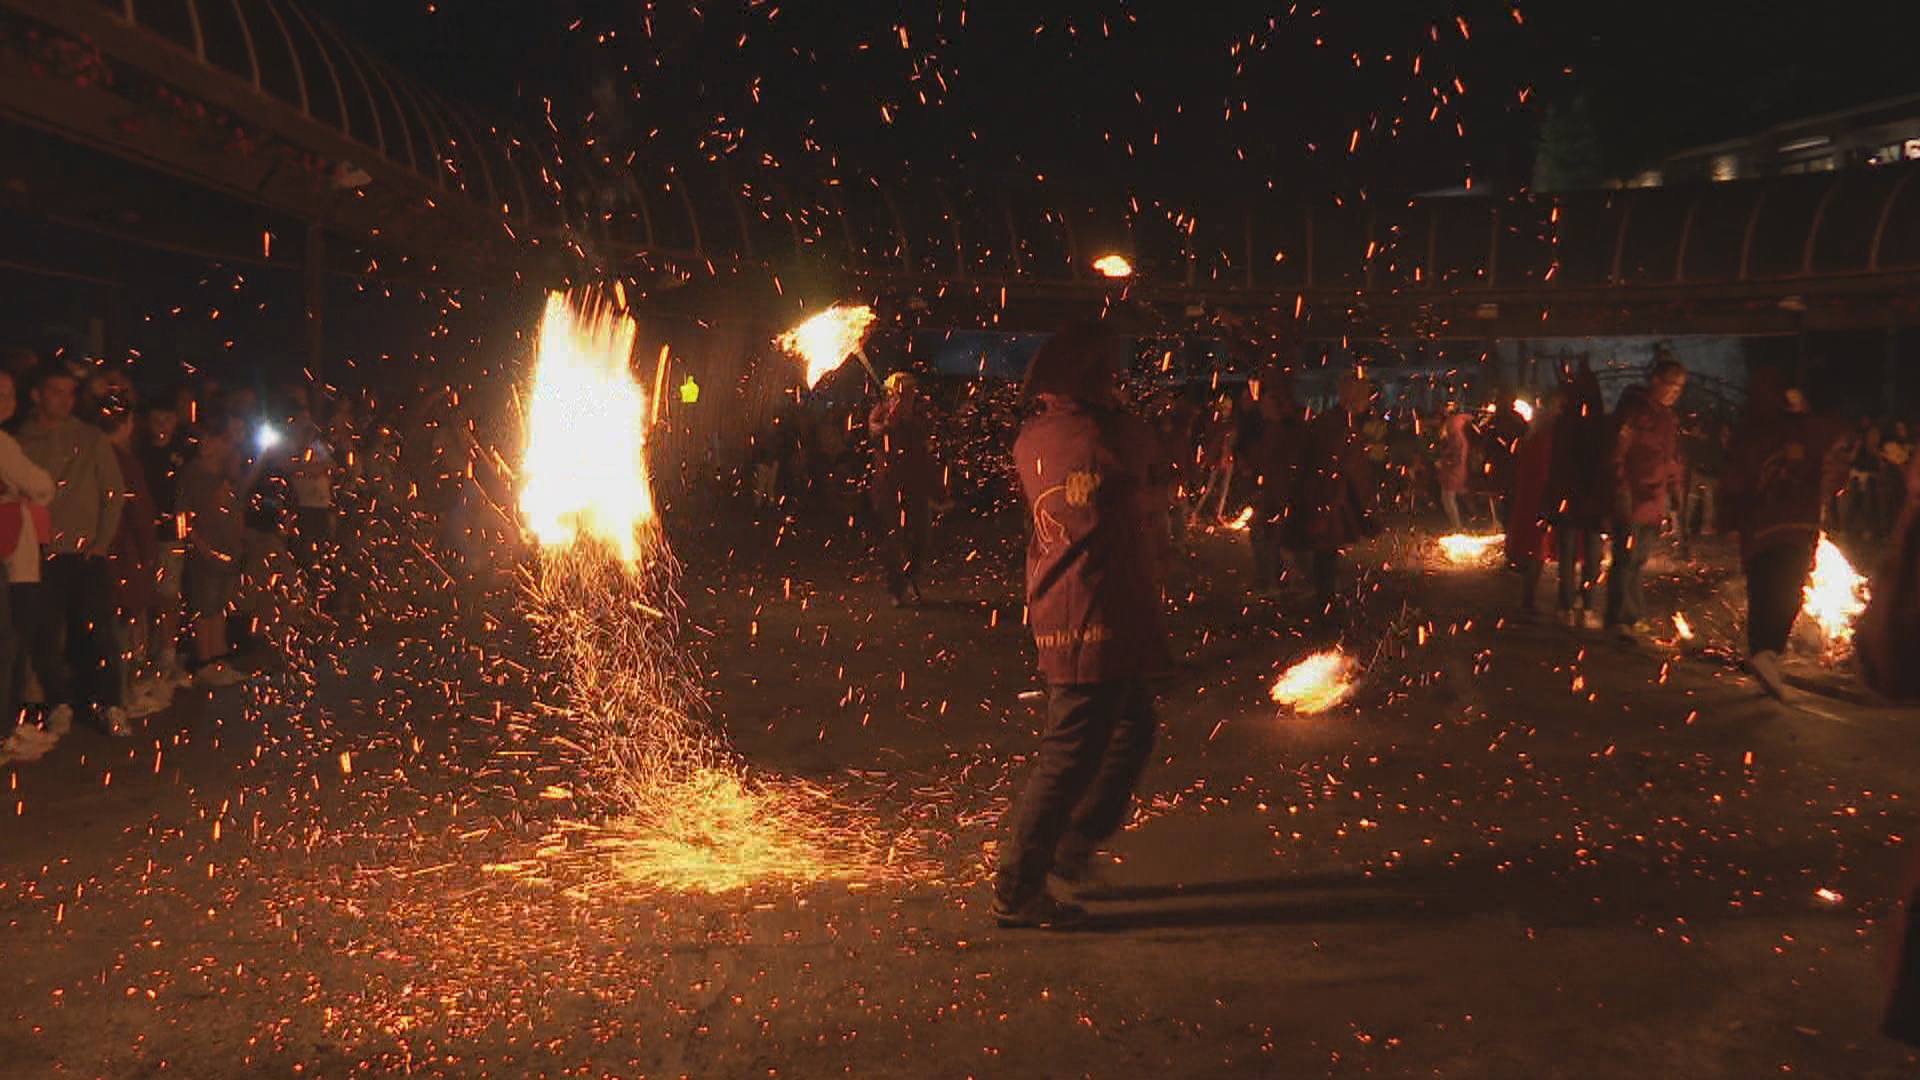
<point>583,474</point>
<point>825,340</point>
<point>1317,683</point>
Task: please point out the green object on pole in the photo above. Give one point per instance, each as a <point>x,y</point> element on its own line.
<point>689,392</point>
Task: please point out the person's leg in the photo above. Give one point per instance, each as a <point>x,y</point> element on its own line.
<point>1644,539</point>
<point>1103,810</point>
<point>1080,722</point>
<point>1569,541</point>
<point>1326,577</point>
<point>1593,551</point>
<point>1618,571</point>
<point>1266,556</point>
<point>1776,585</point>
<point>48,645</point>
<point>1450,502</point>
<point>1531,570</point>
<point>94,639</point>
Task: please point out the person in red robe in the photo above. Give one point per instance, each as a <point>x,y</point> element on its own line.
<point>1095,484</point>
<point>1887,643</point>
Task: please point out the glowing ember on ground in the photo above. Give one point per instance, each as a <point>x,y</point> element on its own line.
<point>1317,683</point>
<point>1113,266</point>
<point>1525,409</point>
<point>825,340</point>
<point>1835,596</point>
<point>1243,521</point>
<point>680,810</point>
<point>1682,626</point>
<point>1467,549</point>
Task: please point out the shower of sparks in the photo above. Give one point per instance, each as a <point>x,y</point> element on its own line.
<point>1318,683</point>
<point>1467,549</point>
<point>825,340</point>
<point>1835,596</point>
<point>681,811</point>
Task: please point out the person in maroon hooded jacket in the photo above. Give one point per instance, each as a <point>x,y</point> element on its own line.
<point>904,483</point>
<point>1783,467</point>
<point>1334,505</point>
<point>1530,539</point>
<point>1645,471</point>
<point>1094,479</point>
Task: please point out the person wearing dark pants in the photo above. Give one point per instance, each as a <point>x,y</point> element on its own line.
<point>904,483</point>
<point>1627,575</point>
<point>77,584</point>
<point>1784,466</point>
<point>1098,739</point>
<point>1334,507</point>
<point>1096,486</point>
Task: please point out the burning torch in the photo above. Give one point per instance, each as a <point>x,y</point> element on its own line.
<point>826,339</point>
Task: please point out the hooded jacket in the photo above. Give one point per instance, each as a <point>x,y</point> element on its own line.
<point>1645,457</point>
<point>1781,469</point>
<point>1093,559</point>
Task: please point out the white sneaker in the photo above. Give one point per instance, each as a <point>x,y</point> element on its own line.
<point>60,720</point>
<point>1765,666</point>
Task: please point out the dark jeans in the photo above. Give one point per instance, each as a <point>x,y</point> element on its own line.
<point>1626,574</point>
<point>1579,566</point>
<point>1096,745</point>
<point>75,651</point>
<point>1776,582</point>
<point>1269,557</point>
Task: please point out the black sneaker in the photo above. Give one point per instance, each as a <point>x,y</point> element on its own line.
<point>1043,911</point>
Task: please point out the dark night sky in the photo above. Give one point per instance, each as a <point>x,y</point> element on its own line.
<point>1236,94</point>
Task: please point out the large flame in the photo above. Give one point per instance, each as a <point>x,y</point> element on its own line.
<point>825,340</point>
<point>1467,549</point>
<point>584,469</point>
<point>1835,595</point>
<point>1317,683</point>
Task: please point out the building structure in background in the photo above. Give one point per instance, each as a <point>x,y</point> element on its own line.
<point>1877,133</point>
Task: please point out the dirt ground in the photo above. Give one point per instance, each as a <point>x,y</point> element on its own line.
<point>1520,851</point>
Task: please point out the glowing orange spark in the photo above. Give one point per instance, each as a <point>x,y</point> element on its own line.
<point>825,340</point>
<point>1113,266</point>
<point>1243,522</point>
<point>1467,549</point>
<point>1684,627</point>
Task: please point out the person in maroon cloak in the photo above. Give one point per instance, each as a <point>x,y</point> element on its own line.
<point>1274,458</point>
<point>1784,465</point>
<point>1095,483</point>
<point>1529,537</point>
<point>1576,500</point>
<point>1456,449</point>
<point>904,483</point>
<point>1887,643</point>
<point>1500,453</point>
<point>1334,506</point>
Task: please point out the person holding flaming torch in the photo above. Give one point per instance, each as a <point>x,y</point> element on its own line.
<point>1094,481</point>
<point>1784,465</point>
